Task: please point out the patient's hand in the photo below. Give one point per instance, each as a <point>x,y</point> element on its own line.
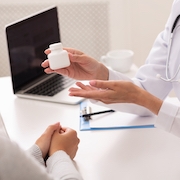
<point>64,139</point>
<point>45,139</point>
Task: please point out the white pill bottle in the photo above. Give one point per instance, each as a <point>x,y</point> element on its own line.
<point>58,58</point>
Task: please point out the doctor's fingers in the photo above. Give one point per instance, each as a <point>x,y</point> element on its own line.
<point>70,50</point>
<point>47,51</point>
<point>107,91</point>
<point>85,91</point>
<point>104,84</point>
<point>106,96</point>
<point>116,85</point>
<point>48,70</point>
<point>45,64</point>
<point>85,87</point>
<point>74,54</point>
<point>73,51</point>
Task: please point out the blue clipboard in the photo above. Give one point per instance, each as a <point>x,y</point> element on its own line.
<point>85,124</point>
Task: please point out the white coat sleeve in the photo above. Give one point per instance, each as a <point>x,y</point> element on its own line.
<point>168,118</point>
<point>146,75</point>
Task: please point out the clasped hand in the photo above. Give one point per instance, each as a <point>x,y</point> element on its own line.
<point>57,138</point>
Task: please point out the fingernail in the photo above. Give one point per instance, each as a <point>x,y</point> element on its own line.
<point>92,83</point>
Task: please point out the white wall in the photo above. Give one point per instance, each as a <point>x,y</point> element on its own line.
<point>136,23</point>
<point>133,24</point>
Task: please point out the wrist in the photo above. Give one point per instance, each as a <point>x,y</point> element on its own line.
<point>149,101</point>
<point>102,72</point>
<point>54,150</point>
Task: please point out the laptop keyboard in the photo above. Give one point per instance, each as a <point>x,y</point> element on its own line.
<point>52,86</point>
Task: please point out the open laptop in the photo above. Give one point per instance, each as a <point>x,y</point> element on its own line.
<point>26,41</point>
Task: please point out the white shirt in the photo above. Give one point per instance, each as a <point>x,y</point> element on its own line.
<point>168,118</point>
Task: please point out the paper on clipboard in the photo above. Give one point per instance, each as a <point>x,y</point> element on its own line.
<point>116,119</point>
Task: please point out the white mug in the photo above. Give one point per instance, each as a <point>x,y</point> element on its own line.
<point>119,60</point>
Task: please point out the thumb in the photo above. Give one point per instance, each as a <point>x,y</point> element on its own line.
<point>100,84</point>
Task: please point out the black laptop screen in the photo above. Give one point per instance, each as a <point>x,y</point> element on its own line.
<point>27,39</point>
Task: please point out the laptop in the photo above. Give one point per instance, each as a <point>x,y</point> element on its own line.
<point>26,41</point>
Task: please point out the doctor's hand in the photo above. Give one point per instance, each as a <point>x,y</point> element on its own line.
<point>107,91</point>
<point>110,92</point>
<point>44,141</point>
<point>82,67</point>
<point>64,139</point>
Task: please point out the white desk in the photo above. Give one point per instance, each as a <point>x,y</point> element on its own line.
<point>134,154</point>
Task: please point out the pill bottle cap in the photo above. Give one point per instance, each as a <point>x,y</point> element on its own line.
<point>56,46</point>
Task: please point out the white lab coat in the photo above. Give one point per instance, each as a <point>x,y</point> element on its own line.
<point>168,118</point>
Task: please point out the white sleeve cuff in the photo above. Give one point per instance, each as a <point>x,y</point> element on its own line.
<point>60,165</point>
<point>36,152</point>
<point>166,116</point>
